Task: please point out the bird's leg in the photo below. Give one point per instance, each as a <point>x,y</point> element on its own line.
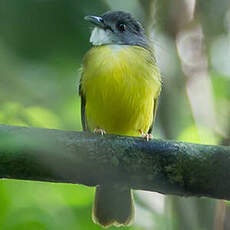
<point>147,136</point>
<point>99,131</point>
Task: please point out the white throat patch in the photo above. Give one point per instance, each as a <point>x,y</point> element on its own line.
<point>100,37</point>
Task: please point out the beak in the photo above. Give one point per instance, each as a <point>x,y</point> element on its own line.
<point>97,21</point>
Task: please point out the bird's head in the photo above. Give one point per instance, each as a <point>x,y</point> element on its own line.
<point>117,27</point>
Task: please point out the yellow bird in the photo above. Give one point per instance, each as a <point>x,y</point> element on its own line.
<point>119,89</point>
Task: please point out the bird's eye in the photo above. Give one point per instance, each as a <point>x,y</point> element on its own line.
<point>121,27</point>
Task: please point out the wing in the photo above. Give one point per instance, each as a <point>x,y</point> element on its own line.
<point>154,114</point>
<point>152,61</point>
<point>83,102</point>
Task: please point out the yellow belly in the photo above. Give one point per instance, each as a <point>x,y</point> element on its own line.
<point>120,84</point>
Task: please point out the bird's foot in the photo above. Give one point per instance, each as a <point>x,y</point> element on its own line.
<point>147,136</point>
<point>99,131</point>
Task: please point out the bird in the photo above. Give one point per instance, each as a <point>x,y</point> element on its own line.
<point>119,88</point>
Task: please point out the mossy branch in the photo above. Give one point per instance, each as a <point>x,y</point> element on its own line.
<point>167,167</point>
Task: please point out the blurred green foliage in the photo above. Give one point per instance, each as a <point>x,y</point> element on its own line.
<point>42,43</point>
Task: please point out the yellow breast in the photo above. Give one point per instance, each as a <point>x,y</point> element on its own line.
<point>120,84</point>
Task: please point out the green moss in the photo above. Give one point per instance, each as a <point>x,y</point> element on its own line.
<point>174,173</point>
<point>115,161</point>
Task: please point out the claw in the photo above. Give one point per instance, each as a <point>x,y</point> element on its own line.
<point>99,131</point>
<point>147,136</point>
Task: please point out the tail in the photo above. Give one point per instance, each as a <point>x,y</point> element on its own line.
<point>113,206</point>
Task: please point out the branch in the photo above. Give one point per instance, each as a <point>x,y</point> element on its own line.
<point>77,157</point>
